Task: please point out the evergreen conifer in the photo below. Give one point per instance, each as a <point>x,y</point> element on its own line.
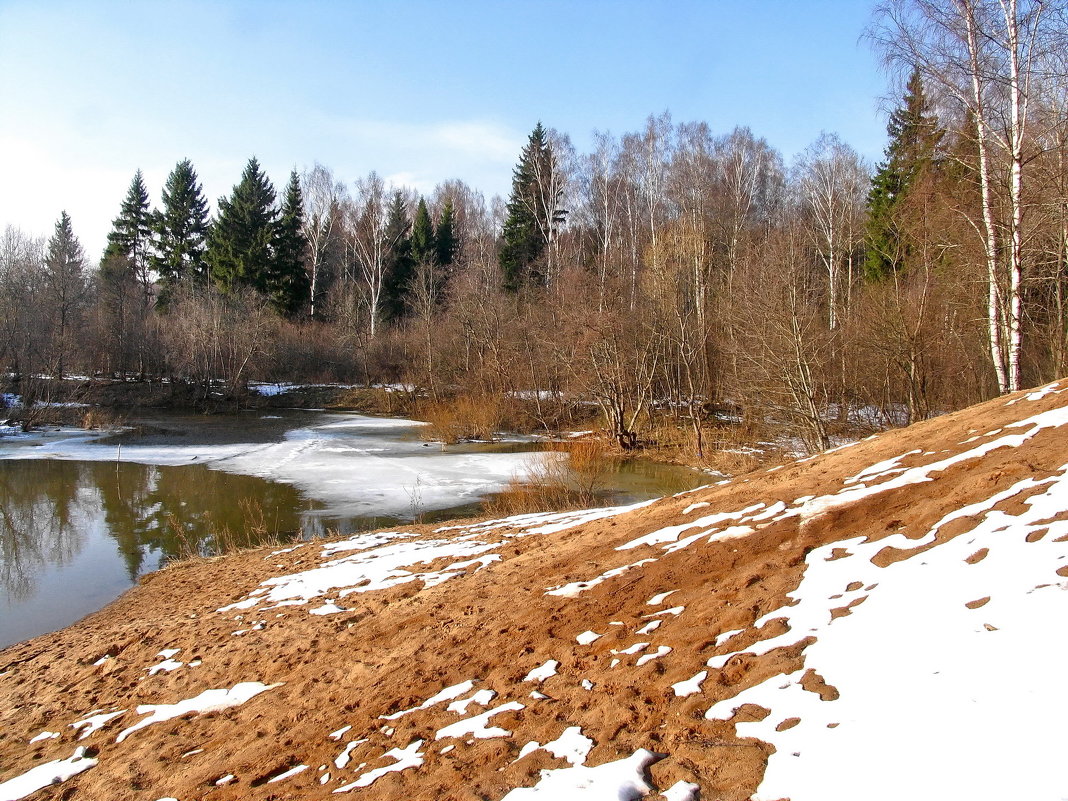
<point>241,242</point>
<point>399,265</point>
<point>533,212</point>
<point>914,140</point>
<point>180,229</point>
<point>64,274</point>
<point>423,241</point>
<point>289,285</point>
<point>130,240</point>
<point>446,244</point>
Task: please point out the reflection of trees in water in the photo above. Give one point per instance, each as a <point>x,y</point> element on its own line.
<point>45,510</point>
<point>197,510</point>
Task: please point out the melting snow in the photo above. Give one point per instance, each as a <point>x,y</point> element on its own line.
<point>376,568</point>
<point>480,698</point>
<point>576,587</point>
<point>337,735</point>
<point>342,759</point>
<point>722,638</point>
<point>476,726</point>
<point>659,598</point>
<point>167,665</point>
<point>587,637</point>
<point>941,704</point>
<point>410,757</point>
<point>448,694</point>
<point>681,791</point>
<point>207,701</point>
<point>675,610</point>
<point>1038,394</point>
<point>542,673</point>
<point>661,650</point>
<point>690,686</point>
<point>670,534</point>
<point>622,780</point>
<point>281,777</point>
<point>94,722</point>
<point>55,772</point>
<point>572,745</point>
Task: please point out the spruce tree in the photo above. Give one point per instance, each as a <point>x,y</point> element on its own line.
<point>399,266</point>
<point>126,275</point>
<point>240,244</point>
<point>64,279</point>
<point>290,286</point>
<point>423,241</point>
<point>446,245</point>
<point>533,214</point>
<point>131,234</point>
<point>180,229</point>
<point>914,140</point>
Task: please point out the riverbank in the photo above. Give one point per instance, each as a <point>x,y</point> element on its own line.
<point>730,444</point>
<point>789,633</point>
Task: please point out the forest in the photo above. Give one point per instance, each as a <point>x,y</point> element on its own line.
<point>671,279</point>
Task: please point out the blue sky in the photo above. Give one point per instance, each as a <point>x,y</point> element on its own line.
<point>419,91</point>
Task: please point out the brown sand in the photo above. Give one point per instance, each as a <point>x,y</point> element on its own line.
<point>399,646</point>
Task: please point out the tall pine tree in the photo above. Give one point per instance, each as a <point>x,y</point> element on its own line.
<point>290,285</point>
<point>399,265</point>
<point>241,242</point>
<point>64,278</point>
<point>131,234</point>
<point>126,276</point>
<point>180,229</point>
<point>446,244</point>
<point>534,214</point>
<point>914,140</point>
<point>423,243</point>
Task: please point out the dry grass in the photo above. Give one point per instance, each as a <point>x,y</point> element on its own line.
<point>568,475</point>
<point>254,535</point>
<point>729,448</point>
<point>99,419</point>
<point>465,417</point>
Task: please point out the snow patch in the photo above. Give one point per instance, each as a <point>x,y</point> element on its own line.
<point>36,778</point>
<point>476,726</point>
<point>410,757</point>
<point>622,780</point>
<point>540,674</point>
<point>207,701</point>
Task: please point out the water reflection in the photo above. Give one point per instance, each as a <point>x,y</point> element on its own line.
<point>40,524</point>
<point>56,515</point>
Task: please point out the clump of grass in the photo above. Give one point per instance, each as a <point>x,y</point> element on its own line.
<point>463,418</point>
<point>98,419</point>
<point>568,475</point>
<point>222,540</point>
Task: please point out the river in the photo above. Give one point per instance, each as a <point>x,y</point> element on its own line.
<point>83,515</point>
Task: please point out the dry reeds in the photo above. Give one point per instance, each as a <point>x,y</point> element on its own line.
<point>568,475</point>
<point>98,419</point>
<point>463,418</point>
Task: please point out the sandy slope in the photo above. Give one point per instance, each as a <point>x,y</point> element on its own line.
<point>879,621</point>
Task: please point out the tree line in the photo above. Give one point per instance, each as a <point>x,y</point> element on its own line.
<point>672,275</point>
